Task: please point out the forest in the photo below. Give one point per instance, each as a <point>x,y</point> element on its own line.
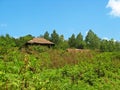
<point>36,67</point>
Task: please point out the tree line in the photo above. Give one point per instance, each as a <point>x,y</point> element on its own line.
<point>91,41</point>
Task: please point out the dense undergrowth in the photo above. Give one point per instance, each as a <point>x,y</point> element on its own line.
<point>50,69</point>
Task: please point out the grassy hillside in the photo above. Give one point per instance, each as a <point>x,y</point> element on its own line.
<point>50,69</point>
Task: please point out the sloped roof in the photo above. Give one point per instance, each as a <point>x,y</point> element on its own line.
<point>39,41</point>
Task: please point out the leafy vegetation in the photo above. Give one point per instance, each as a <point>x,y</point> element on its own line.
<point>43,68</point>
<point>60,70</point>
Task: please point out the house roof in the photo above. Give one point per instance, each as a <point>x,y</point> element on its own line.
<point>39,41</point>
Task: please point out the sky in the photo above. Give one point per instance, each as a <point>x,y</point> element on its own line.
<point>35,17</point>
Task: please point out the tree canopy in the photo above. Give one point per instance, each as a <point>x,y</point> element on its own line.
<point>91,41</point>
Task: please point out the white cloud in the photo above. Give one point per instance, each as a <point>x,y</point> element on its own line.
<point>3,25</point>
<point>115,7</point>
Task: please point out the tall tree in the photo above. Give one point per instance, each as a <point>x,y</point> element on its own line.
<point>55,37</point>
<point>92,40</point>
<point>104,45</point>
<point>79,41</point>
<point>72,41</point>
<point>62,43</point>
<point>111,45</point>
<point>46,35</point>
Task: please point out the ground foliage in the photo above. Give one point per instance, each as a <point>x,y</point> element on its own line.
<point>53,69</point>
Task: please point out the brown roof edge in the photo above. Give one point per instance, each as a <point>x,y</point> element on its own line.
<point>40,41</point>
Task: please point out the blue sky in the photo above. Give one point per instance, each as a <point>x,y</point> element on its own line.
<point>22,17</point>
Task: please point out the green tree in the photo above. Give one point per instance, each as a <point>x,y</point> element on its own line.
<point>79,41</point>
<point>72,41</point>
<point>117,46</point>
<point>63,44</point>
<point>55,37</point>
<point>6,43</point>
<point>111,45</point>
<point>46,35</point>
<point>104,45</point>
<point>92,40</point>
<point>22,40</point>
<point>7,40</point>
